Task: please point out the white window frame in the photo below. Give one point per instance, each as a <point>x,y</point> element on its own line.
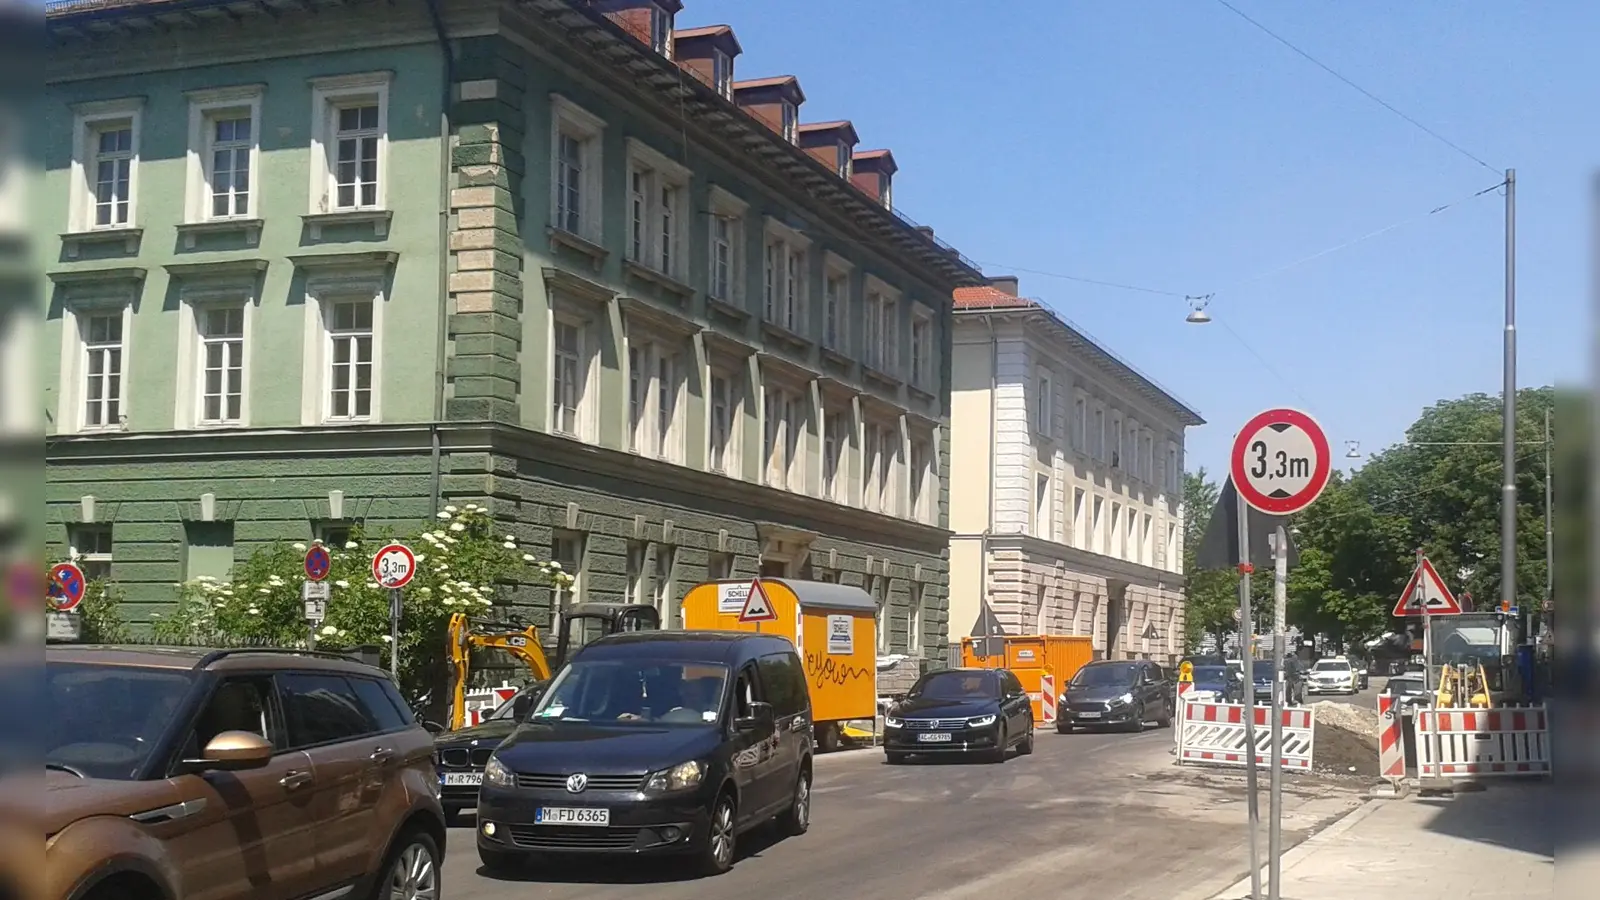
<point>89,119</point>
<point>1097,534</point>
<point>881,464</point>
<point>785,288</point>
<point>661,31</point>
<point>1044,402</point>
<point>667,390</point>
<point>1042,495</point>
<point>92,560</point>
<point>1174,468</point>
<point>836,306</point>
<point>633,572</point>
<point>571,563</point>
<point>584,414</point>
<point>191,353</point>
<point>789,121</point>
<point>914,617</point>
<point>205,109</point>
<point>1117,457</point>
<point>731,459</point>
<point>323,292</point>
<point>783,427</point>
<point>920,478</point>
<point>589,131</point>
<point>1097,434</point>
<point>1080,518</point>
<point>922,349</point>
<point>722,73</point>
<point>73,411</point>
<point>658,174</point>
<point>1080,422</point>
<point>881,346</point>
<point>661,584</point>
<point>328,96</point>
<point>835,448</point>
<point>729,210</point>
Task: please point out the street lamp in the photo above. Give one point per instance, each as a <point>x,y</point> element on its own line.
<point>1197,310</point>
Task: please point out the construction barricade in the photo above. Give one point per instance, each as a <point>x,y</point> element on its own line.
<point>1214,734</point>
<point>480,703</point>
<point>1391,740</point>
<point>1469,743</point>
<point>1047,699</point>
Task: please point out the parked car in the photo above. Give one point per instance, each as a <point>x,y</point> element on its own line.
<point>1408,691</point>
<point>1217,684</point>
<point>1294,677</point>
<point>249,774</point>
<point>1122,693</point>
<point>961,711</point>
<point>461,755</point>
<point>667,742</point>
<point>1334,675</point>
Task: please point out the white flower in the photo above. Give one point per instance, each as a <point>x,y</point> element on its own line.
<point>428,536</point>
<point>441,515</point>
<point>486,602</point>
<point>263,590</point>
<point>443,567</point>
<point>439,533</point>
<point>448,602</point>
<point>387,639</point>
<point>372,585</point>
<point>449,509</point>
<point>298,546</point>
<point>457,526</point>
<point>424,590</point>
<point>329,630</point>
<point>446,587</point>
<point>529,557</point>
<point>555,565</point>
<point>275,581</point>
<point>351,545</point>
<point>204,578</point>
<point>510,545</point>
<point>449,540</point>
<point>226,592</point>
<point>512,538</point>
<point>341,583</point>
<point>342,632</point>
<point>254,611</point>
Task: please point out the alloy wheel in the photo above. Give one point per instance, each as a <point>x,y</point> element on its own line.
<point>414,875</point>
<point>802,803</point>
<point>722,834</point>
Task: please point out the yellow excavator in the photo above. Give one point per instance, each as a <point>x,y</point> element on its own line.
<point>466,634</point>
<point>1464,687</point>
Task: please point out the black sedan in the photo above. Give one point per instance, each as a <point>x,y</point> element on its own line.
<point>1116,693</point>
<point>961,711</point>
<point>1217,684</point>
<point>461,755</point>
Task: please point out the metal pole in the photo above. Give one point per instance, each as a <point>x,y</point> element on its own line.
<point>1280,652</point>
<point>1246,652</point>
<point>1508,490</point>
<point>394,633</point>
<point>1427,673</point>
<point>1549,531</point>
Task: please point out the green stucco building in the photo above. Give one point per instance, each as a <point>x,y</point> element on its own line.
<point>316,264</point>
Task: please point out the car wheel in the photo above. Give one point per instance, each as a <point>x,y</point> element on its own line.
<point>1164,720</point>
<point>411,871</point>
<point>716,854</point>
<point>1063,729</point>
<point>1025,747</point>
<point>500,862</point>
<point>894,759</point>
<point>1137,724</point>
<point>798,817</point>
<point>1002,744</point>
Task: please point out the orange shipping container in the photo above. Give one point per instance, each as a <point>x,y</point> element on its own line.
<point>1030,657</point>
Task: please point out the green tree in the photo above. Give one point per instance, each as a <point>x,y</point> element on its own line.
<point>1212,595</point>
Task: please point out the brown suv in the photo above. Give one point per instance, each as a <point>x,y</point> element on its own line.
<point>211,775</point>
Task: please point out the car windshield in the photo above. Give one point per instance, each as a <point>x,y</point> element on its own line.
<point>105,720</point>
<point>956,686</point>
<point>635,692</point>
<point>1406,686</point>
<point>1214,673</point>
<point>508,709</point>
<point>1113,675</point>
<point>1331,665</point>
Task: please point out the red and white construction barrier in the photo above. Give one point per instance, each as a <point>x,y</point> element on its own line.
<point>1474,742</point>
<point>483,702</point>
<point>1391,740</point>
<point>1214,733</point>
<point>1047,699</point>
<point>1184,687</point>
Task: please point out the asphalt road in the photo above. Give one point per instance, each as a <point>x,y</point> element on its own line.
<point>1101,815</point>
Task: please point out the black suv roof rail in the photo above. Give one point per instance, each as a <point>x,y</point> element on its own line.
<point>215,655</point>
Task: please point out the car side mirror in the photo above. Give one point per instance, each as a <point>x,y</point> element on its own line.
<point>521,706</point>
<point>761,718</point>
<point>231,751</point>
<point>431,726</point>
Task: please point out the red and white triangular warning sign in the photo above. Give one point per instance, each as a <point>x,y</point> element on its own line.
<point>758,607</point>
<point>1426,594</point>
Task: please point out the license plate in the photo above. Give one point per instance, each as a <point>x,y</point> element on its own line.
<point>474,779</point>
<point>1088,715</point>
<point>562,815</point>
<point>934,738</point>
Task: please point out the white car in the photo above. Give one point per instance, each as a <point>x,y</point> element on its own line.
<point>1333,676</point>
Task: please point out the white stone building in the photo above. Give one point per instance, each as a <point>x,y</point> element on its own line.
<point>1066,482</point>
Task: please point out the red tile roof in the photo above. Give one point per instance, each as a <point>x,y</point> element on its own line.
<point>986,297</point>
<point>702,31</point>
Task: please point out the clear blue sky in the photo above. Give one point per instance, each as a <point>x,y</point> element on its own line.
<point>1170,144</point>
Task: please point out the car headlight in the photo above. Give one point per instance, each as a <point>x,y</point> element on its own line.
<point>1123,700</point>
<point>496,773</point>
<point>680,777</point>
<point>892,722</point>
<point>980,721</point>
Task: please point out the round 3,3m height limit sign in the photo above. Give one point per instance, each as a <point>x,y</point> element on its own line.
<point>1280,461</point>
<point>393,566</point>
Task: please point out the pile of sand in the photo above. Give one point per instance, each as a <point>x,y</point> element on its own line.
<point>1346,739</point>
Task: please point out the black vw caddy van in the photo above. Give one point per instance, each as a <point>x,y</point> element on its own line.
<point>655,743</point>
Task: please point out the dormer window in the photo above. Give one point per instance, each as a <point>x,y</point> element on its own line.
<point>791,122</point>
<point>661,32</point>
<point>722,73</point>
<point>844,161</point>
<point>883,190</point>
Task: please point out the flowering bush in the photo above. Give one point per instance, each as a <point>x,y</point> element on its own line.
<point>461,563</point>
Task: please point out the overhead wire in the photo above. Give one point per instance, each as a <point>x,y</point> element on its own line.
<point>1358,88</point>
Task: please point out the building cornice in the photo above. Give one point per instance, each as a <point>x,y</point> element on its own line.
<point>1087,562</point>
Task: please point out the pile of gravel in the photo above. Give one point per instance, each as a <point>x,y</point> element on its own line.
<point>1346,716</point>
<point>1346,740</point>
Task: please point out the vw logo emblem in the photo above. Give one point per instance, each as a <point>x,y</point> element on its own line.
<point>576,783</point>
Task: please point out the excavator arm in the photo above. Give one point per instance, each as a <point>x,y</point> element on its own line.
<point>466,635</point>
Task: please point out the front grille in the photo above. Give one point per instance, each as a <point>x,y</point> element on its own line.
<point>596,783</point>
<point>544,837</point>
<point>935,724</point>
<point>1087,707</point>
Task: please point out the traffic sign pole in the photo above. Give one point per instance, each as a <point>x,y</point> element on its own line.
<point>394,634</point>
<point>1247,641</point>
<point>393,567</point>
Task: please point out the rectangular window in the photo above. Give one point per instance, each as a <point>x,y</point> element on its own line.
<point>1080,423</point>
<point>880,593</point>
<point>657,188</point>
<point>1115,548</point>
<point>638,392</point>
<point>793,296</point>
<point>833,311</point>
<point>350,140</point>
<point>567,378</point>
<point>783,283</point>
<point>566,550</point>
<point>221,364</point>
<point>835,436</point>
<point>719,566</point>
<point>722,73</point>
<point>919,464</point>
<point>1174,475</point>
<point>350,356</point>
<point>1097,534</point>
<point>882,334</point>
<point>723,407</point>
<point>104,188</point>
<point>871,460</point>
<point>842,164</point>
<point>112,173</point>
<point>102,367</point>
<point>666,391</point>
<point>722,258</point>
<point>1041,507</point>
<point>638,215</point>
<point>914,620</point>
<point>575,183</point>
<point>791,122</point>
<point>794,431</point>
<point>1097,435</point>
<point>881,489</point>
<point>1117,458</point>
<point>355,142</point>
<point>661,586</point>
<point>635,572</point>
<point>1044,405</point>
<point>230,149</point>
<point>1080,525</point>
<point>667,259</point>
<point>922,351</point>
<point>1147,545</point>
<point>783,425</point>
<point>207,550</point>
<point>661,31</point>
<point>90,547</point>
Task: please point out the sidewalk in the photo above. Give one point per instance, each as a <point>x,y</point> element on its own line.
<point>1498,844</point>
